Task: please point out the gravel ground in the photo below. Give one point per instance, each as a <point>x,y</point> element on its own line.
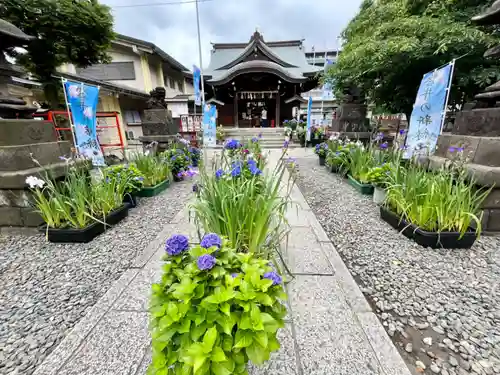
<point>441,307</point>
<point>46,288</point>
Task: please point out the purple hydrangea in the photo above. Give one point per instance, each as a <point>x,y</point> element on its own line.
<point>219,173</point>
<point>177,244</point>
<point>206,262</point>
<point>211,239</point>
<point>276,279</point>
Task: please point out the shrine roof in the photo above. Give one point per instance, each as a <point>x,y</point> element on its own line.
<point>287,59</point>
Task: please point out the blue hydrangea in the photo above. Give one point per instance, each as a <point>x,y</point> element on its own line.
<point>177,244</point>
<point>211,239</point>
<point>232,144</point>
<point>219,173</point>
<point>276,279</point>
<point>206,262</point>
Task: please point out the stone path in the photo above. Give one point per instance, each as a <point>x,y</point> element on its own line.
<point>331,329</point>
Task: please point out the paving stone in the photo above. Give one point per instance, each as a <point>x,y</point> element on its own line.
<point>304,254</point>
<point>329,339</point>
<point>116,346</point>
<point>136,296</point>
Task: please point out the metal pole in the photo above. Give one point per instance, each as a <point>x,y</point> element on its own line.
<point>201,79</point>
<point>448,89</point>
<point>71,124</point>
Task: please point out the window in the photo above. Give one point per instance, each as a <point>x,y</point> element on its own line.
<point>114,71</point>
<point>180,86</point>
<point>171,82</point>
<point>132,117</point>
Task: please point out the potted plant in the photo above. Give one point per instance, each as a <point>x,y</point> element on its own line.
<point>435,209</point>
<point>77,209</point>
<point>220,134</point>
<point>156,172</point>
<point>133,178</point>
<point>359,163</point>
<point>178,160</point>
<point>377,176</point>
<point>195,154</point>
<point>301,134</point>
<point>321,150</point>
<point>219,307</point>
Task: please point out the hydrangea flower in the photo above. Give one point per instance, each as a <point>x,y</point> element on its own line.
<point>232,144</point>
<point>219,173</point>
<point>177,244</point>
<point>211,239</point>
<point>206,262</point>
<point>276,279</point>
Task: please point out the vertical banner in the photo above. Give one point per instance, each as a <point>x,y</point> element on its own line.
<point>81,100</point>
<point>196,83</point>
<point>327,86</point>
<point>209,125</point>
<point>309,110</point>
<point>428,112</point>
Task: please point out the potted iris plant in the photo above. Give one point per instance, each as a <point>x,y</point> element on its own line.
<point>321,150</point>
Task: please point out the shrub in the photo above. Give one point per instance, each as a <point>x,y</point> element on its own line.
<point>214,309</point>
<point>321,150</point>
<point>178,159</point>
<point>133,178</point>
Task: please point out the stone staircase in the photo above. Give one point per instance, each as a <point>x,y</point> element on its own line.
<point>271,137</point>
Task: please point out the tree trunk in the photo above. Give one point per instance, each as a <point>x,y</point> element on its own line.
<point>52,90</point>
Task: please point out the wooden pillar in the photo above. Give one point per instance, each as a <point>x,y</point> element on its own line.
<point>235,114</point>
<point>278,100</point>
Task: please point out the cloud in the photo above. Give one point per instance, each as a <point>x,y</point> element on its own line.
<point>173,27</point>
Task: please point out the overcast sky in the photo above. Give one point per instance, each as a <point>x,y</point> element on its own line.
<point>173,27</point>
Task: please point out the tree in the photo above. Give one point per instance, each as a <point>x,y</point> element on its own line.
<point>67,31</point>
<point>390,44</point>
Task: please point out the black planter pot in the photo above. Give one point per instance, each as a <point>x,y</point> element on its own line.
<point>87,234</point>
<point>434,240</point>
<point>130,199</point>
<point>117,215</point>
<point>302,142</point>
<point>322,160</point>
<point>70,235</point>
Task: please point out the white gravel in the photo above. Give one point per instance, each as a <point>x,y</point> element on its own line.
<point>442,306</point>
<point>46,288</point>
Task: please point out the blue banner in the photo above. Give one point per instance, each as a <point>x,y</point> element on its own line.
<point>196,83</point>
<point>309,110</point>
<point>209,125</point>
<point>327,86</point>
<point>428,111</point>
<point>82,101</point>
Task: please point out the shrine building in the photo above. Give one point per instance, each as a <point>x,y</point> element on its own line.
<point>243,79</point>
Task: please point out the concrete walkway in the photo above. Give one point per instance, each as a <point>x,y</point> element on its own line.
<point>330,330</point>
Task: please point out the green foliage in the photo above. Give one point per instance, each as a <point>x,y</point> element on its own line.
<point>242,202</point>
<point>67,31</point>
<point>321,149</point>
<point>212,322</point>
<point>390,44</point>
<point>77,201</point>
<point>133,178</point>
<point>435,201</point>
<point>152,167</point>
<point>178,159</point>
<point>379,175</point>
<point>220,134</point>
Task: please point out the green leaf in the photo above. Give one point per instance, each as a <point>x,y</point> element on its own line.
<point>243,339</point>
<point>227,343</point>
<point>165,322</point>
<point>198,362</point>
<point>198,331</point>
<point>157,289</point>
<point>257,354</point>
<point>255,315</point>
<point>261,338</point>
<point>264,299</point>
<point>209,339</point>
<point>225,308</point>
<point>219,369</point>
<point>245,322</point>
<point>158,311</point>
<point>184,326</point>
<point>162,341</point>
<point>227,323</point>
<point>273,343</point>
<point>173,311</point>
<point>218,355</point>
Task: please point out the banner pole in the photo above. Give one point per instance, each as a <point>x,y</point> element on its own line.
<point>448,89</point>
<point>71,124</point>
<point>201,76</point>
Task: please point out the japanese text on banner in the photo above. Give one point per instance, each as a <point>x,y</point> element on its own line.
<point>209,125</point>
<point>82,101</point>
<point>428,111</point>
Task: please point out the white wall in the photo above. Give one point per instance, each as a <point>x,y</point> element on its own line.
<point>126,55</point>
<point>178,108</point>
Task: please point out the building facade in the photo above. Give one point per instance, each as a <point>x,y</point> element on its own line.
<point>136,68</point>
<point>323,107</point>
<point>243,79</point>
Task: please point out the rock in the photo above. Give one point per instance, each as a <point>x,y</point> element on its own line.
<point>435,368</point>
<point>438,329</point>
<point>421,293</point>
<point>427,340</point>
<point>485,363</point>
<point>422,326</point>
<point>453,361</point>
<point>409,347</point>
<point>420,365</point>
